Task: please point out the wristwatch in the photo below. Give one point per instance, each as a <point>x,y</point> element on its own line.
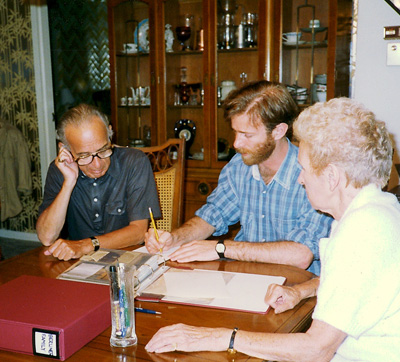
<point>95,242</point>
<point>220,248</point>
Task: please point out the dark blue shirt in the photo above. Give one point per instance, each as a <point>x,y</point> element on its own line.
<point>111,202</point>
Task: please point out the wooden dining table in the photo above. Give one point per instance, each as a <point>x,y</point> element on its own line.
<point>34,262</point>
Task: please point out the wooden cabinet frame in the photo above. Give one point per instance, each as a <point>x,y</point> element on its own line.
<point>269,63</point>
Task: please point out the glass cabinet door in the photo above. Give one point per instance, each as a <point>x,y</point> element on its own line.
<point>237,45</point>
<point>305,49</point>
<point>184,64</point>
<point>130,45</point>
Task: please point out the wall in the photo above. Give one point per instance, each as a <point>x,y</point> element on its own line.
<point>377,85</point>
<point>18,103</point>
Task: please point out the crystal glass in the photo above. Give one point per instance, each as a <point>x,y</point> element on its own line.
<point>185,29</point>
<point>182,34</point>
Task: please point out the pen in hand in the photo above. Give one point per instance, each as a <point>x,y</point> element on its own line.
<point>153,223</point>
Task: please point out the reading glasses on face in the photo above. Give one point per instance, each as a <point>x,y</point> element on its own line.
<point>102,154</point>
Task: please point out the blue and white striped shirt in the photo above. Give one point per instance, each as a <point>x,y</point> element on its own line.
<point>274,212</point>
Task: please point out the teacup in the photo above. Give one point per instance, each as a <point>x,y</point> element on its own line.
<point>291,37</point>
<point>130,48</point>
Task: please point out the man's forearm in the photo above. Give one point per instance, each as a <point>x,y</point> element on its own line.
<point>132,234</point>
<point>51,221</point>
<point>279,252</point>
<point>193,229</point>
<point>126,236</point>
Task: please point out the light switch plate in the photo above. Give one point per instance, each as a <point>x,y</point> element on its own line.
<point>393,54</point>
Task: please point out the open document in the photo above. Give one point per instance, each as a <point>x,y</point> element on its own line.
<point>92,268</point>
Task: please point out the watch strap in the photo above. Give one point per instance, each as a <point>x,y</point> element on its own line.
<point>95,242</point>
<point>232,341</point>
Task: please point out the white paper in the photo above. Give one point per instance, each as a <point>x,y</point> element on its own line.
<point>165,254</point>
<point>196,284</point>
<point>247,291</point>
<point>84,270</point>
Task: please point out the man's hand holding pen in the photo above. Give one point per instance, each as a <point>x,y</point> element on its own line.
<point>165,241</point>
<point>156,241</point>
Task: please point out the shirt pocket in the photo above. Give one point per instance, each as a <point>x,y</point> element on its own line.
<point>116,208</point>
<point>248,230</point>
<point>283,227</point>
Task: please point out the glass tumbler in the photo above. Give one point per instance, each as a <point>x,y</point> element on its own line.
<point>122,294</point>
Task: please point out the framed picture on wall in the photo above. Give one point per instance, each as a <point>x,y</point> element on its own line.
<point>395,4</point>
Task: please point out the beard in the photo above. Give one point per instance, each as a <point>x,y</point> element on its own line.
<point>260,153</point>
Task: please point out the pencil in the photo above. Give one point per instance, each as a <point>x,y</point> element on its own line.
<point>153,223</point>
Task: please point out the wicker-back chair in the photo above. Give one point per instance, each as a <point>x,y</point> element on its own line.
<point>168,163</point>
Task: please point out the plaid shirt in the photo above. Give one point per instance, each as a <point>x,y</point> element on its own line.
<point>273,212</point>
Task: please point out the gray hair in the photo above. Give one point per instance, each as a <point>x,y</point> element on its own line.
<point>344,132</point>
<point>79,115</point>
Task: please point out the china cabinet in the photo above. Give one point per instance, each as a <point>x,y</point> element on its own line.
<point>174,61</point>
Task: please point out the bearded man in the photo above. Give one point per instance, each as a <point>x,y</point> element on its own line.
<point>258,188</point>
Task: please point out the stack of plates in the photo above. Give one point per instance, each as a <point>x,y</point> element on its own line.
<point>299,94</point>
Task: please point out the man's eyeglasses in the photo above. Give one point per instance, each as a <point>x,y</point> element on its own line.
<point>86,160</point>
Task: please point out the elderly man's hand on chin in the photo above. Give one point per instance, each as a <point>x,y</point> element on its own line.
<point>67,249</point>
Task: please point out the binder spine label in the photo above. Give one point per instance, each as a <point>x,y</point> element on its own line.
<point>45,343</point>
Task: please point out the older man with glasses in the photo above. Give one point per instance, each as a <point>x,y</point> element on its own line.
<point>98,193</point>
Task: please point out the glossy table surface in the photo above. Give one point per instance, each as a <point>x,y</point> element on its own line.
<point>34,262</point>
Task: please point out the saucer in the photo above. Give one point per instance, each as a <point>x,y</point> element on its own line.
<point>293,42</point>
<point>316,30</point>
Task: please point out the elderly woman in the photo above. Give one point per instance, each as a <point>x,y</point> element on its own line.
<point>346,157</point>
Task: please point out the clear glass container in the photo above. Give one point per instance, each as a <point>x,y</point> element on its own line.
<point>122,294</point>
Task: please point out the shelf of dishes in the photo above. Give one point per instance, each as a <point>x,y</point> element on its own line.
<point>197,52</point>
<point>140,97</point>
<point>315,35</point>
<point>306,44</point>
<point>316,93</point>
<point>231,35</point>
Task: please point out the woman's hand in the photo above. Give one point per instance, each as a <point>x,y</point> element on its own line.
<point>182,337</point>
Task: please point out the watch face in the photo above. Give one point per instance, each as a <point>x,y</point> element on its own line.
<point>220,248</point>
<point>95,242</point>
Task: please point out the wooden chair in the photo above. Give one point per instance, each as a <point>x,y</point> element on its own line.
<point>168,163</point>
